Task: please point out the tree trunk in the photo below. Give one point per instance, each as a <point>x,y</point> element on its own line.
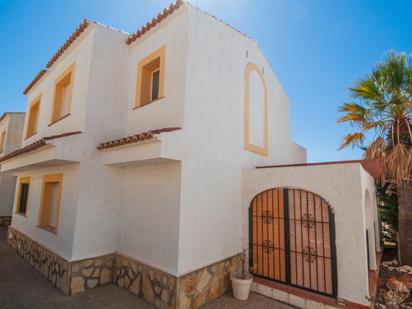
<point>405,224</point>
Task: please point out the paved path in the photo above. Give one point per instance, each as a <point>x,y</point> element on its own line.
<point>22,287</point>
<point>255,301</point>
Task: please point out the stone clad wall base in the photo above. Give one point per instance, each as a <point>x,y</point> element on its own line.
<point>5,221</point>
<point>91,273</point>
<point>153,285</point>
<point>51,266</point>
<point>161,289</point>
<point>206,284</point>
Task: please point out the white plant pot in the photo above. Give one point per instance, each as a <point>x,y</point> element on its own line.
<point>241,287</point>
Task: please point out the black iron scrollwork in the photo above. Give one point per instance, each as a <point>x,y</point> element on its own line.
<point>308,221</point>
<point>309,254</point>
<point>267,217</point>
<point>267,246</point>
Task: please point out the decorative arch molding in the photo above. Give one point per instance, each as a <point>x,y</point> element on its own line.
<point>249,144</point>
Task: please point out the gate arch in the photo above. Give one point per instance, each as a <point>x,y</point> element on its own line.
<point>292,239</point>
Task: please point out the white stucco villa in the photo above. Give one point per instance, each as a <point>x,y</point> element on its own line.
<point>151,159</point>
<point>11,130</point>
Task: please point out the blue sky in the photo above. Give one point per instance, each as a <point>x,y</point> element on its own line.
<point>317,48</point>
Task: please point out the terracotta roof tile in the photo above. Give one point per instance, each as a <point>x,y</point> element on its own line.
<point>134,138</point>
<point>35,145</point>
<point>34,81</point>
<point>372,166</point>
<point>161,16</point>
<point>57,55</point>
<point>68,42</point>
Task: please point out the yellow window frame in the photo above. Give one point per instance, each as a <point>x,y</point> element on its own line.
<point>45,203</point>
<point>3,137</point>
<point>33,124</point>
<point>66,78</point>
<point>22,180</point>
<point>143,90</point>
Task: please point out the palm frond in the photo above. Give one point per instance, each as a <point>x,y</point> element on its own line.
<point>353,112</point>
<point>352,139</point>
<point>383,105</point>
<point>377,125</point>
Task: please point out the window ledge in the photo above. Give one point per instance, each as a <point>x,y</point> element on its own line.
<point>48,228</point>
<point>57,120</point>
<point>21,214</point>
<point>154,101</point>
<point>31,135</point>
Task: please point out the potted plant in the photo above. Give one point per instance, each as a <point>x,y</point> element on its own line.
<point>242,280</point>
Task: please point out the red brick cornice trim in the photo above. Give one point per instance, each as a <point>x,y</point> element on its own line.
<point>161,16</point>
<point>35,145</point>
<point>134,138</point>
<point>372,166</point>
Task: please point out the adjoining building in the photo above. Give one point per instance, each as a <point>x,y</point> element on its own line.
<point>11,131</point>
<point>139,156</point>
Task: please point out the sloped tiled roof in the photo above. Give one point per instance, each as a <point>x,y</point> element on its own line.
<point>161,16</point>
<point>131,38</point>
<point>82,27</point>
<point>134,138</point>
<point>68,42</point>
<point>34,81</point>
<point>79,30</point>
<point>35,145</point>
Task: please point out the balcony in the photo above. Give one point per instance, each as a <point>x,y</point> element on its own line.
<point>143,148</point>
<point>47,151</point>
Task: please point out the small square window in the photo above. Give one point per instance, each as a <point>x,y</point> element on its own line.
<point>150,78</point>
<point>63,95</point>
<point>33,120</point>
<point>2,141</point>
<point>50,202</point>
<point>23,195</point>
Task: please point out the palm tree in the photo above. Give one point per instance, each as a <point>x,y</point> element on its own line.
<point>381,117</point>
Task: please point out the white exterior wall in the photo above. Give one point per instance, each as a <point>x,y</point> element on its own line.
<point>62,241</point>
<point>149,218</point>
<point>12,124</point>
<point>343,186</point>
<point>213,127</point>
<point>7,186</point>
<point>168,111</point>
<point>205,62</point>
<point>91,214</point>
<point>150,199</point>
<point>100,192</point>
<point>80,53</point>
<point>371,221</point>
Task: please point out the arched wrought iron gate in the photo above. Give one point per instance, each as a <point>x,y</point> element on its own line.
<point>292,239</point>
